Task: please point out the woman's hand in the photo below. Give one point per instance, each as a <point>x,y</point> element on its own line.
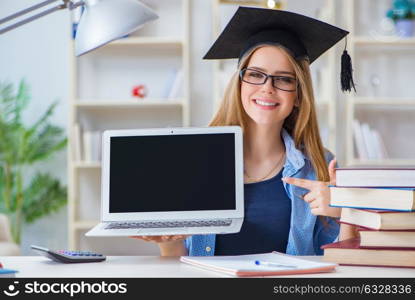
<point>318,197</point>
<point>170,245</point>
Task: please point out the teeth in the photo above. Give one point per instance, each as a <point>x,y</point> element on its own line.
<point>265,103</point>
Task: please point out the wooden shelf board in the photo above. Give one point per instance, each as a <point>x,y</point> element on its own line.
<point>90,104</point>
<point>148,41</point>
<point>382,162</point>
<point>384,40</point>
<point>383,101</point>
<point>87,165</point>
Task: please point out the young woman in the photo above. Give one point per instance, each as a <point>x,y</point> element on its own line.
<point>286,169</point>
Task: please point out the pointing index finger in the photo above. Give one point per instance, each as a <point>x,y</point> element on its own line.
<point>304,183</point>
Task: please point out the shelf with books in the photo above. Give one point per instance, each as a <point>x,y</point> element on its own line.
<point>383,62</point>
<point>139,81</point>
<point>382,133</point>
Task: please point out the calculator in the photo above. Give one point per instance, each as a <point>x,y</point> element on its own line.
<point>65,256</point>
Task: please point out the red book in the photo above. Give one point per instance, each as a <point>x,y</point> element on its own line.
<point>349,252</point>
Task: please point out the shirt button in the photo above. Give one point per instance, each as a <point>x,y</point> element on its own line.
<point>208,249</point>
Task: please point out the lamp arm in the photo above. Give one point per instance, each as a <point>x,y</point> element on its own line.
<point>65,4</point>
<point>25,11</point>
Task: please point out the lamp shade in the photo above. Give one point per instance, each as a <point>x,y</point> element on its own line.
<point>106,20</point>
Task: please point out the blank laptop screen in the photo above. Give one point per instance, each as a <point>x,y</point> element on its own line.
<point>172,173</point>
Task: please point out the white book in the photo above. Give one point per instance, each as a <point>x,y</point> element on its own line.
<point>76,143</point>
<point>375,144</point>
<point>87,141</point>
<point>368,140</point>
<point>96,146</point>
<point>169,83</point>
<point>359,140</point>
<point>380,144</point>
<point>375,177</point>
<point>177,85</point>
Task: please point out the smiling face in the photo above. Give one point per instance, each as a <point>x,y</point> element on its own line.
<point>264,103</point>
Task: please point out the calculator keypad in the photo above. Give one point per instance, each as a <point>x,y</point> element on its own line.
<point>86,254</point>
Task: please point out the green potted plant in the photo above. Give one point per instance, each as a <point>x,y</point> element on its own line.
<point>403,14</point>
<point>22,146</point>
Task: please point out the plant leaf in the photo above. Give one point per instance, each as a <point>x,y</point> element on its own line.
<point>43,196</point>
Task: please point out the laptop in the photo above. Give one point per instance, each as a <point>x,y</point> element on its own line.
<point>170,181</point>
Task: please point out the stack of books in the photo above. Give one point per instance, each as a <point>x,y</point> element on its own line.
<point>380,203</point>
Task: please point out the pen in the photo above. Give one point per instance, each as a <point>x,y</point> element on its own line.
<point>272,264</point>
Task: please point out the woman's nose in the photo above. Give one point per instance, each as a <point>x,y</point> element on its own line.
<point>267,87</point>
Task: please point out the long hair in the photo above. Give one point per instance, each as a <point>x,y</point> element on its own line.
<point>301,124</point>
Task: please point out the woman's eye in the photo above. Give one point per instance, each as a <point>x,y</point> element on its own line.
<point>255,75</point>
<point>285,79</point>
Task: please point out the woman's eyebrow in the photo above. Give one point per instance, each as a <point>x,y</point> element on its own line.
<point>276,72</point>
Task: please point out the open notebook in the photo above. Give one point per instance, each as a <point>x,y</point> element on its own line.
<point>266,264</point>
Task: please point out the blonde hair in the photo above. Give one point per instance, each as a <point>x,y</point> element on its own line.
<point>301,124</point>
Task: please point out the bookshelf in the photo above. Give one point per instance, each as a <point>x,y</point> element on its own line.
<point>101,99</point>
<point>324,74</point>
<point>383,63</point>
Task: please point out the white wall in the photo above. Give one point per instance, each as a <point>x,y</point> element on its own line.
<point>39,53</point>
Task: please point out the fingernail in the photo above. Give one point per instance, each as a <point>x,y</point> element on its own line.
<point>284,178</point>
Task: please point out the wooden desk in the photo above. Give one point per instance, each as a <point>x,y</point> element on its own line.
<point>155,266</point>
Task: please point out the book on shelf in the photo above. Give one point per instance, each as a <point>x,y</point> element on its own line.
<point>265,264</point>
<point>87,145</point>
<point>386,238</point>
<point>350,252</point>
<point>378,219</point>
<point>375,177</point>
<point>76,144</point>
<point>169,83</point>
<point>380,145</point>
<point>400,199</point>
<point>176,89</point>
<point>359,141</point>
<point>92,146</point>
<point>369,141</point>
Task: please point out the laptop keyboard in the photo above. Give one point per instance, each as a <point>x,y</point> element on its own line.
<point>168,224</point>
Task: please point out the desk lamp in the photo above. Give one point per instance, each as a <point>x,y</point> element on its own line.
<point>102,21</point>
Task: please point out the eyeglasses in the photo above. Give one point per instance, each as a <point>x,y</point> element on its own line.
<point>252,76</point>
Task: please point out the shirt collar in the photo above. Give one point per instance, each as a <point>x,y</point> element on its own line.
<point>295,159</point>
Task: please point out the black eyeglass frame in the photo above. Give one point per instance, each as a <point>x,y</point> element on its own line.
<point>241,73</point>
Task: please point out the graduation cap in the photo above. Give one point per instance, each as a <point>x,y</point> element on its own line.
<point>302,36</point>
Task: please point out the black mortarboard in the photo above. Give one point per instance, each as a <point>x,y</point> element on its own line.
<point>302,36</point>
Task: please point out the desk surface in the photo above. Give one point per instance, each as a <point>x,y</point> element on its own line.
<point>155,266</point>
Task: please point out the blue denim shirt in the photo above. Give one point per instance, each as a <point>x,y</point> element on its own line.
<point>307,232</point>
